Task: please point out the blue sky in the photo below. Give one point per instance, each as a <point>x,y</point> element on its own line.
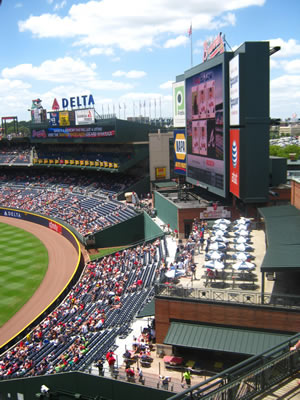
<point>128,53</point>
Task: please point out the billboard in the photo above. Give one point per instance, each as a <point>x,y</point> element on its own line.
<point>178,105</point>
<point>85,117</point>
<point>205,129</point>
<point>234,90</point>
<point>179,152</point>
<point>234,168</point>
<point>73,132</point>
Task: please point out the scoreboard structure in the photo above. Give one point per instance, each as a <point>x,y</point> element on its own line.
<point>227,122</point>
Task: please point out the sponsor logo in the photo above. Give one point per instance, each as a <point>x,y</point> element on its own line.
<point>234,154</point>
<point>55,227</point>
<point>12,214</point>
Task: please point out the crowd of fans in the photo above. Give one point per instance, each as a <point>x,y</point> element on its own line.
<point>68,333</point>
<point>87,204</point>
<point>15,155</point>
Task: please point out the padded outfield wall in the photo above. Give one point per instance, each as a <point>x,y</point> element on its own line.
<point>68,384</point>
<point>137,229</point>
<point>63,231</point>
<point>166,210</point>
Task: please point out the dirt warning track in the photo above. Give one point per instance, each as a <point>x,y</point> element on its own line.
<point>62,262</point>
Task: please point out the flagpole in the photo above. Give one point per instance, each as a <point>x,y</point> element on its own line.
<point>191,38</point>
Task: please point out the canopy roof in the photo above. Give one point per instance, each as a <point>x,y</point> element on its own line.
<point>283,238</point>
<point>242,341</point>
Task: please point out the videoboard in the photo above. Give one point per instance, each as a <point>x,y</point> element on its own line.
<point>206,107</point>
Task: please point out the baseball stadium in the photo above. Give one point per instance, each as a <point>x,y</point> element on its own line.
<point>138,261</point>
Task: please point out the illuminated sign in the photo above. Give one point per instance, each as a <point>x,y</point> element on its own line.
<point>205,129</point>
<point>234,91</point>
<point>234,169</point>
<point>179,152</point>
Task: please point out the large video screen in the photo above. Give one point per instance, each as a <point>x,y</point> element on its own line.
<point>205,129</point>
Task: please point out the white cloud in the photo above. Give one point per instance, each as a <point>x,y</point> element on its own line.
<point>7,85</point>
<point>18,5</point>
<point>288,48</point>
<point>285,95</point>
<point>178,41</point>
<point>60,5</point>
<point>166,85</point>
<point>134,24</point>
<point>95,51</point>
<point>60,70</point>
<point>292,67</point>
<point>133,74</point>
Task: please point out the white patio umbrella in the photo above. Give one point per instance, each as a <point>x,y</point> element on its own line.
<point>218,232</point>
<point>242,233</point>
<point>223,227</point>
<point>222,221</point>
<point>170,274</point>
<point>242,220</point>
<point>242,256</point>
<point>215,255</point>
<point>241,239</point>
<point>217,265</point>
<point>219,239</point>
<point>240,227</point>
<point>217,246</point>
<point>243,247</point>
<point>243,266</point>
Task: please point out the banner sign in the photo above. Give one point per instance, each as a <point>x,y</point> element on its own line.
<point>234,169</point>
<point>85,117</point>
<point>179,152</point>
<point>234,91</point>
<point>178,105</point>
<point>55,227</point>
<point>211,49</point>
<point>64,118</point>
<point>11,214</point>
<point>83,132</point>
<point>160,172</point>
<point>54,119</point>
<point>215,213</point>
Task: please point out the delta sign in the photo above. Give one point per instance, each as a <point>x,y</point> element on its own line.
<point>75,102</point>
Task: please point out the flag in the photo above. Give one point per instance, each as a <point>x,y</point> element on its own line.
<point>190,30</point>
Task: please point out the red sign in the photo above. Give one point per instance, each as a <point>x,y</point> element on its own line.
<point>234,170</point>
<point>211,49</point>
<point>55,227</point>
<point>55,105</point>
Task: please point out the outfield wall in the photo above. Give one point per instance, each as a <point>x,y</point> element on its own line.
<point>68,384</point>
<point>137,229</point>
<point>61,230</point>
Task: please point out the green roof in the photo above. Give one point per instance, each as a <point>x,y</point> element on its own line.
<point>148,310</point>
<point>223,339</point>
<point>283,238</point>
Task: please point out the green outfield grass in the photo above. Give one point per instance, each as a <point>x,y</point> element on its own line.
<point>23,264</point>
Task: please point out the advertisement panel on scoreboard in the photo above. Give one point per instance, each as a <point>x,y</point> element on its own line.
<point>234,168</point>
<point>179,152</point>
<point>178,105</point>
<point>234,90</point>
<point>205,129</point>
<point>85,117</point>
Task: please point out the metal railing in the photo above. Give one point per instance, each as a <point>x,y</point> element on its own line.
<point>229,296</point>
<point>249,378</point>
